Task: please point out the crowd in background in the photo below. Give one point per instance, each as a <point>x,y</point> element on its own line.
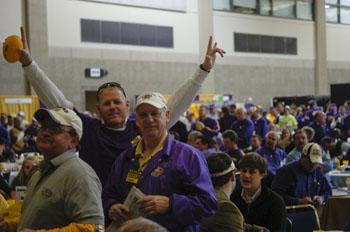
<point>329,126</point>
<point>278,135</point>
<point>231,129</point>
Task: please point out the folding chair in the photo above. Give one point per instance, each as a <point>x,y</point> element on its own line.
<point>289,225</point>
<point>304,218</point>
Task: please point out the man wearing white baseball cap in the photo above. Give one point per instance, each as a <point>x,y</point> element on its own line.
<point>302,181</point>
<point>106,138</point>
<point>65,192</point>
<point>174,176</point>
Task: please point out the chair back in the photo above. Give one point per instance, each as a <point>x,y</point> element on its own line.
<point>289,225</point>
<point>304,218</point>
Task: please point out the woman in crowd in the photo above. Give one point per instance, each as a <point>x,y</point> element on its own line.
<point>258,204</point>
<point>286,141</point>
<point>27,170</point>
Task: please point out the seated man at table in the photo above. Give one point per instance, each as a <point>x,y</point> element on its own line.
<point>259,205</point>
<point>302,181</point>
<point>174,176</point>
<point>274,155</point>
<point>65,193</point>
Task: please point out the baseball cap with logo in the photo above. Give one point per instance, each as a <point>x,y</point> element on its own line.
<point>314,151</point>
<point>153,98</point>
<point>62,116</point>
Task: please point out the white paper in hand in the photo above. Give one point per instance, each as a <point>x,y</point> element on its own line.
<point>130,201</point>
<point>134,195</point>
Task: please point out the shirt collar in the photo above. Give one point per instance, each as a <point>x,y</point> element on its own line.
<point>165,149</point>
<point>57,161</point>
<point>250,199</point>
<point>139,146</point>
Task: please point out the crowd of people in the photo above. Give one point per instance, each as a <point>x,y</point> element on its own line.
<point>184,169</point>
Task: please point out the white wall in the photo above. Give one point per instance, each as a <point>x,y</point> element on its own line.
<point>338,42</point>
<point>226,23</point>
<point>10,18</point>
<point>64,24</point>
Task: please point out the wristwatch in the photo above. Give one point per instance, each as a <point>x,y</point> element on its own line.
<point>100,228</point>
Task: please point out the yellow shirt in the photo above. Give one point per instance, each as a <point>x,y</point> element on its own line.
<point>144,160</point>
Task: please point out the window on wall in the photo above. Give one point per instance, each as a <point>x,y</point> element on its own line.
<point>345,11</point>
<point>297,9</point>
<point>244,6</point>
<point>265,7</point>
<point>332,11</point>
<point>173,5</point>
<point>98,31</point>
<point>332,1</point>
<point>265,44</point>
<point>345,2</point>
<point>345,15</point>
<point>338,11</point>
<point>304,9</point>
<point>284,8</point>
<point>222,5</point>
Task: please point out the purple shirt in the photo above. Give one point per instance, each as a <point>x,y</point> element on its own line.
<point>244,130</point>
<point>274,158</point>
<point>212,124</point>
<point>185,180</point>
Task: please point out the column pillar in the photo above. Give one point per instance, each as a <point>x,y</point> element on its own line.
<point>321,83</point>
<point>205,29</point>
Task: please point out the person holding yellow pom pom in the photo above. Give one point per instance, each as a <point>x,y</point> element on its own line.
<point>11,48</point>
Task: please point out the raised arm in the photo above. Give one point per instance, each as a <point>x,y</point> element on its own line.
<point>47,91</point>
<point>182,98</point>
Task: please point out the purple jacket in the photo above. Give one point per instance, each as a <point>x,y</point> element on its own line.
<point>185,180</point>
<point>244,130</point>
<point>274,158</point>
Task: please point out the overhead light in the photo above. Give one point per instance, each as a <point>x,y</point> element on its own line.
<point>327,6</point>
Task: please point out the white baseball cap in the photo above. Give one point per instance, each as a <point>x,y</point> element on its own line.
<point>153,98</point>
<point>314,151</point>
<point>62,116</point>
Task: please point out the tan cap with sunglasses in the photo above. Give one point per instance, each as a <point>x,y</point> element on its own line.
<point>62,116</point>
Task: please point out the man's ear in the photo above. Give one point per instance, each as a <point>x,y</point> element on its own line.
<point>233,177</point>
<point>127,103</point>
<point>167,114</point>
<point>75,142</point>
<point>98,107</point>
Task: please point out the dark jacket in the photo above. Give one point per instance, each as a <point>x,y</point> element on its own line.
<point>268,210</point>
<point>292,182</point>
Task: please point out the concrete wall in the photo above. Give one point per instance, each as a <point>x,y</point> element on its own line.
<point>263,76</point>
<point>11,77</point>
<point>237,74</point>
<point>184,24</point>
<point>54,28</point>
<point>137,68</point>
<point>338,53</point>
